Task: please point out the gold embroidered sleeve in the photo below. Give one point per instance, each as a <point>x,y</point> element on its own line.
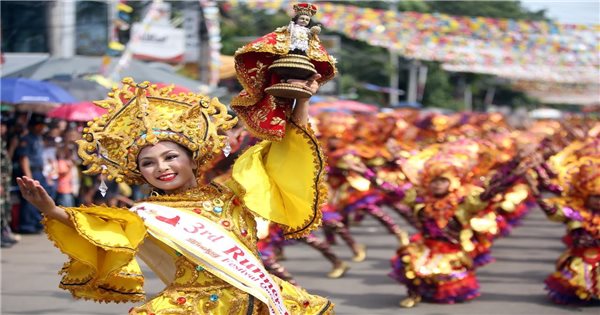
<point>470,205</point>
<point>283,181</point>
<point>410,197</point>
<point>101,252</point>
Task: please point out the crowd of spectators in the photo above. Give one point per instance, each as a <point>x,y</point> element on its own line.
<point>45,150</point>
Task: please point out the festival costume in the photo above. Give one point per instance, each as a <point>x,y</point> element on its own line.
<point>577,276</point>
<point>356,194</point>
<point>201,242</point>
<point>436,264</point>
<point>270,248</point>
<point>333,225</point>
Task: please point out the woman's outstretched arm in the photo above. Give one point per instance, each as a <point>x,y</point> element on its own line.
<point>35,194</point>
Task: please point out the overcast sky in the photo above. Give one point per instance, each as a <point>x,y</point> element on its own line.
<point>567,11</point>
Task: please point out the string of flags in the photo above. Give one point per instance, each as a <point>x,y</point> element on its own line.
<point>515,49</point>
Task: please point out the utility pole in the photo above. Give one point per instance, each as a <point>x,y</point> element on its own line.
<point>413,72</point>
<point>395,75</point>
<point>62,28</point>
<point>468,98</point>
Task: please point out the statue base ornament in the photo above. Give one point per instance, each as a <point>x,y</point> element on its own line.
<point>291,66</point>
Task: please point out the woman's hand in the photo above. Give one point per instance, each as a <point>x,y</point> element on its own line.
<point>311,84</point>
<point>35,194</point>
<point>300,115</point>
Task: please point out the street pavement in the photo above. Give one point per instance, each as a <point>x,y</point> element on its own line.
<point>513,284</point>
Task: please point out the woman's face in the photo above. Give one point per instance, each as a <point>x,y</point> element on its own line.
<point>303,20</point>
<point>593,203</point>
<point>439,186</point>
<point>167,166</point>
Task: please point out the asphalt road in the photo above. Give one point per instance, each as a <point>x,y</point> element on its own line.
<point>513,284</point>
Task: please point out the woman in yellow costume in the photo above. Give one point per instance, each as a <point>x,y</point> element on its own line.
<point>199,239</point>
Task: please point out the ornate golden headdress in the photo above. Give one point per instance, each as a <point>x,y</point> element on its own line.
<point>453,168</point>
<point>140,115</point>
<point>580,175</point>
<point>454,161</point>
<point>305,9</point>
<point>587,181</point>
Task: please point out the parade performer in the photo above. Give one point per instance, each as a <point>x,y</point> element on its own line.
<point>436,266</point>
<point>577,276</point>
<point>200,240</point>
<point>354,193</point>
<point>333,225</point>
<point>270,246</point>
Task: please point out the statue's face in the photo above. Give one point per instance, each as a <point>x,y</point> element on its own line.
<point>303,20</point>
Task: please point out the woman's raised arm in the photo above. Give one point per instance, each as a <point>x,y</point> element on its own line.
<point>35,194</point>
<point>300,114</point>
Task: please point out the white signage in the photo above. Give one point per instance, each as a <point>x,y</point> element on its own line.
<point>157,42</point>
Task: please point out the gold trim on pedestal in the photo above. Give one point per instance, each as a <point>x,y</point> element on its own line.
<point>293,66</point>
<point>287,90</point>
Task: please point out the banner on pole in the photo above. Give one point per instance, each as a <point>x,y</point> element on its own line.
<point>157,42</point>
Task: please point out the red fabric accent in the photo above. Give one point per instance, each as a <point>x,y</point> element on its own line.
<point>15,210</point>
<point>264,120</point>
<point>357,195</point>
<point>172,221</point>
<point>585,254</point>
<point>416,237</point>
<point>568,240</point>
<point>457,288</point>
<point>262,244</point>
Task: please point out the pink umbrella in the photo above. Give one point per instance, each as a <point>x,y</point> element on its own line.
<point>82,111</point>
<point>176,88</point>
<point>342,105</point>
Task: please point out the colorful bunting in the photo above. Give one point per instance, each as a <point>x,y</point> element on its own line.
<point>516,49</point>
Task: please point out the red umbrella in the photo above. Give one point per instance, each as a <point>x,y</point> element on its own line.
<point>83,111</point>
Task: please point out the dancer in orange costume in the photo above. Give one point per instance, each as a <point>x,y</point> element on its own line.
<point>577,276</point>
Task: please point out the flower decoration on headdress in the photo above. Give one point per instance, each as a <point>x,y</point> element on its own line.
<point>587,180</point>
<point>571,154</point>
<point>305,9</point>
<point>578,168</point>
<point>141,115</point>
<point>580,179</point>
